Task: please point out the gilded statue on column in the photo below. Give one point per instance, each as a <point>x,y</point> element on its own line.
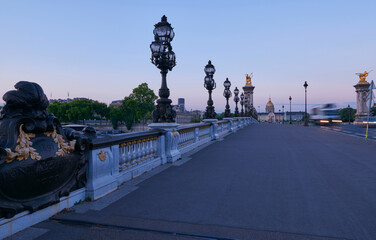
<point>248,79</point>
<point>362,77</point>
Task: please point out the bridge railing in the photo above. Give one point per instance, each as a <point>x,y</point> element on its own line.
<point>116,159</point>
<point>119,158</point>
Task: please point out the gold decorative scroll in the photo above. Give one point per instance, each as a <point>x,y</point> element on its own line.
<point>23,150</point>
<point>63,147</point>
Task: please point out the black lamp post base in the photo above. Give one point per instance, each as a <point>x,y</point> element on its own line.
<point>227,113</point>
<point>164,112</point>
<point>209,113</point>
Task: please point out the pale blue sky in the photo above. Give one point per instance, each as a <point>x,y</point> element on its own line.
<point>100,49</point>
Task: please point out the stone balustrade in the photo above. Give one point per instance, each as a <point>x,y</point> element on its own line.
<point>116,159</point>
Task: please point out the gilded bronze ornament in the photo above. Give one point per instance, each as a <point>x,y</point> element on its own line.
<point>51,161</point>
<point>102,155</point>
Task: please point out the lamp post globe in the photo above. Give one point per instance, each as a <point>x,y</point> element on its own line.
<point>242,103</point>
<point>210,85</point>
<point>305,103</point>
<point>209,69</point>
<point>290,98</point>
<point>164,59</point>
<point>227,94</point>
<point>236,100</point>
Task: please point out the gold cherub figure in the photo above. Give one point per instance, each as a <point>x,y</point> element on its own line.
<point>362,77</point>
<point>248,79</point>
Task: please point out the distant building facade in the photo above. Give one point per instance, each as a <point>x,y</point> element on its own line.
<point>116,103</point>
<point>68,100</point>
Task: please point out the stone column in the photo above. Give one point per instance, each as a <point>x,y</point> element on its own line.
<point>248,93</point>
<point>362,108</point>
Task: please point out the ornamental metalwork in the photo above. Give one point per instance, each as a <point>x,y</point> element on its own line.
<point>236,100</point>
<point>163,58</point>
<point>227,94</point>
<point>242,104</point>
<point>40,162</point>
<point>210,85</point>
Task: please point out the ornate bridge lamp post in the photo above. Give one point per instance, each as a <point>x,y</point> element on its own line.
<point>305,113</point>
<point>163,58</point>
<point>164,115</point>
<point>236,99</point>
<point>210,85</point>
<point>242,103</point>
<point>290,98</point>
<point>283,114</point>
<point>227,94</point>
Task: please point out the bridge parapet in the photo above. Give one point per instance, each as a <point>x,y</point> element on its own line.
<point>116,159</point>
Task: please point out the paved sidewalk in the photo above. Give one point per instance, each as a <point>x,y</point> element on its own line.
<point>263,182</point>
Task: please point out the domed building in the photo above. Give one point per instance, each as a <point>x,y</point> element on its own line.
<point>270,115</point>
<point>269,109</point>
<point>269,106</point>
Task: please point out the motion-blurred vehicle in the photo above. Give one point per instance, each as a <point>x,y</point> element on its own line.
<point>326,114</point>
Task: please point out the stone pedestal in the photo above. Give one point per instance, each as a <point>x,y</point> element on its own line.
<point>213,128</point>
<point>230,124</point>
<point>171,140</point>
<point>362,108</point>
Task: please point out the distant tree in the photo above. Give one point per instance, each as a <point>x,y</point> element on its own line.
<point>80,109</point>
<point>145,99</point>
<point>115,114</point>
<point>130,110</point>
<point>101,109</point>
<point>139,105</point>
<point>59,110</point>
<point>220,116</point>
<point>347,114</point>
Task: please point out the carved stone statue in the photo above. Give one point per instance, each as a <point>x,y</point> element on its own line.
<point>248,79</point>
<point>40,162</point>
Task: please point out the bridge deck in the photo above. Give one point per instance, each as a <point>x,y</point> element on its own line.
<point>263,182</point>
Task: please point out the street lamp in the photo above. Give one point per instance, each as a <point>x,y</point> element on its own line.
<point>163,58</point>
<point>349,110</point>
<point>236,99</point>
<point>227,94</point>
<point>305,113</point>
<point>279,114</point>
<point>283,113</point>
<point>210,85</point>
<point>290,98</point>
<point>242,103</point>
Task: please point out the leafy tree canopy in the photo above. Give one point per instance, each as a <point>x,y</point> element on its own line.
<point>347,114</point>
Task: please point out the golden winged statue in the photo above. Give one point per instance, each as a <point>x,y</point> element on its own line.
<point>248,79</point>
<point>362,77</point>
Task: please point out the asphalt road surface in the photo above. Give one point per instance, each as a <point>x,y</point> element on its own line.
<point>354,130</point>
<point>266,181</point>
